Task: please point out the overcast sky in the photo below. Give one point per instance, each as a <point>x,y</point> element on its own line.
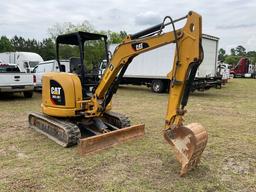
<point>233,21</point>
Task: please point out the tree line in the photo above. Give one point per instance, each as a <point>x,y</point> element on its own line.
<point>235,55</point>
<point>46,47</point>
<point>95,49</point>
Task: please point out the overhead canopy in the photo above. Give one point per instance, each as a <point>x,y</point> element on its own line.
<point>73,38</point>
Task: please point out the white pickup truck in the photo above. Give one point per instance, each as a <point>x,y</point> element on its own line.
<point>12,80</point>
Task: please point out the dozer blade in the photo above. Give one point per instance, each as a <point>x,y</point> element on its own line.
<point>189,143</point>
<point>106,140</point>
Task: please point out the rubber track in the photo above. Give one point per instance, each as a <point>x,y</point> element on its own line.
<point>62,132</point>
<point>117,119</point>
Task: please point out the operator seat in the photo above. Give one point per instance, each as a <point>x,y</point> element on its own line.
<point>75,65</point>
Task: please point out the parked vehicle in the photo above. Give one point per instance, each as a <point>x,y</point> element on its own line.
<point>254,72</point>
<point>243,68</point>
<point>25,60</point>
<point>224,70</point>
<point>12,80</point>
<point>144,71</point>
<point>48,66</point>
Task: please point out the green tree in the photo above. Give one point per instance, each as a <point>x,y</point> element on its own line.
<point>115,37</point>
<point>231,59</point>
<point>251,54</point>
<point>221,54</point>
<point>5,44</point>
<point>253,60</point>
<point>240,50</point>
<point>47,49</point>
<point>123,34</point>
<point>19,43</point>
<point>233,51</point>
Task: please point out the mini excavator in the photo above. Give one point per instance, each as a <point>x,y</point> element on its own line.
<point>77,110</point>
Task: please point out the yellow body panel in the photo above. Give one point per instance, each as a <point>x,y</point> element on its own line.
<point>58,112</point>
<point>55,85</point>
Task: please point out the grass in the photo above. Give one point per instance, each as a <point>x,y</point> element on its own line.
<point>31,162</point>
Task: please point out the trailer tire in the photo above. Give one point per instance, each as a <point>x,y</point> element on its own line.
<point>157,86</point>
<point>28,94</point>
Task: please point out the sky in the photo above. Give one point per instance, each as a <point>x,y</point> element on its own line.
<point>233,21</point>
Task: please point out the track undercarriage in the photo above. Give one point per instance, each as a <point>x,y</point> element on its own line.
<point>91,134</point>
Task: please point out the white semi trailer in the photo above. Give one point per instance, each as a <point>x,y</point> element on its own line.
<point>150,68</point>
<point>25,60</point>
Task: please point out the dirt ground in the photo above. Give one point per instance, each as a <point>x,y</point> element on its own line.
<point>31,162</point>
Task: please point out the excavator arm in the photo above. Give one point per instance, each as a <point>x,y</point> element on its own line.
<point>187,58</point>
<point>188,141</point>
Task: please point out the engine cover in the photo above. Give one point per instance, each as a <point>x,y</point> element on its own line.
<point>61,93</point>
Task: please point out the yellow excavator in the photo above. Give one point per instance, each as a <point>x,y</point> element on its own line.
<point>77,109</point>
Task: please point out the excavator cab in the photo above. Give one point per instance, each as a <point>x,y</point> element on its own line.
<point>87,72</point>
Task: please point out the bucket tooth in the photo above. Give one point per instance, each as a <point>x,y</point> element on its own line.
<point>188,143</point>
<point>109,139</point>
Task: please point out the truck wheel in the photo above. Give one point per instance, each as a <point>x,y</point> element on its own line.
<point>28,94</point>
<point>157,86</point>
